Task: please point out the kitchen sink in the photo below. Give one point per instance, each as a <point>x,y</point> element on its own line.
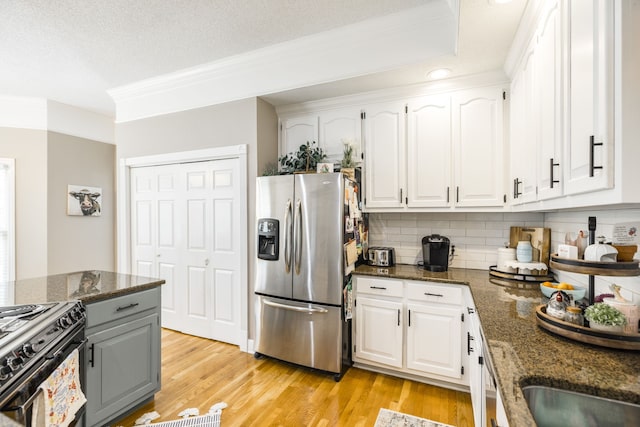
<point>557,407</point>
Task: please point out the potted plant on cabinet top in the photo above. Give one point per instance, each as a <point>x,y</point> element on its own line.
<point>348,163</point>
<point>603,317</point>
<point>304,160</point>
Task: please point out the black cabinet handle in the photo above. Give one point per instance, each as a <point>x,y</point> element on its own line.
<point>433,295</point>
<point>401,195</point>
<point>398,317</point>
<point>516,187</point>
<point>409,318</point>
<point>126,307</point>
<point>91,350</point>
<point>457,194</point>
<point>469,339</point>
<point>378,287</point>
<point>592,147</point>
<point>551,180</point>
<point>447,194</point>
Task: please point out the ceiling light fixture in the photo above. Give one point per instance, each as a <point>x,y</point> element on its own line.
<point>439,73</point>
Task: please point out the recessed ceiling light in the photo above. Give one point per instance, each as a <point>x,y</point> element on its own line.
<point>439,73</point>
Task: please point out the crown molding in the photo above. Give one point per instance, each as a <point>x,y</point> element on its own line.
<point>366,47</point>
<point>44,114</point>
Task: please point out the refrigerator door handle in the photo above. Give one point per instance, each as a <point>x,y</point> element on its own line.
<point>309,310</point>
<point>287,237</point>
<point>297,231</point>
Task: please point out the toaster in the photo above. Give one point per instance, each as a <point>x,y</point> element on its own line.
<point>382,256</point>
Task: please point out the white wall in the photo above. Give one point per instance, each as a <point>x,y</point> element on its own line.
<point>29,149</point>
<point>77,242</point>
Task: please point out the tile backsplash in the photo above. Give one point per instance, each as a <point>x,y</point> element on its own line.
<point>477,237</point>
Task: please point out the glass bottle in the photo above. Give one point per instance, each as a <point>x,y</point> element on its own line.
<point>574,315</point>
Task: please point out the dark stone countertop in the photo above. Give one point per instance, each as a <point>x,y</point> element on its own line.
<point>523,353</point>
<point>86,286</point>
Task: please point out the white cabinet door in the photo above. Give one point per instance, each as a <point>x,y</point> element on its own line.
<point>478,144</point>
<point>378,334</point>
<point>429,151</point>
<point>548,87</point>
<point>589,152</point>
<point>338,127</point>
<point>296,131</point>
<point>384,127</point>
<point>523,139</point>
<point>433,339</point>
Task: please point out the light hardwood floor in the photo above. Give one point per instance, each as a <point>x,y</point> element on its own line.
<point>198,373</point>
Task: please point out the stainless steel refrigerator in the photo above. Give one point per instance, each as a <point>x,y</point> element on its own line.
<point>300,272</point>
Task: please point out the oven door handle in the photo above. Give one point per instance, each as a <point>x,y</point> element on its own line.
<point>61,350</point>
<point>22,409</point>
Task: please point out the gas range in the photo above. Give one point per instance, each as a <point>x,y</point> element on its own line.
<point>30,337</point>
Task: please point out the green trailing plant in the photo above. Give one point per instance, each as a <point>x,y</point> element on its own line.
<point>604,314</point>
<point>305,159</point>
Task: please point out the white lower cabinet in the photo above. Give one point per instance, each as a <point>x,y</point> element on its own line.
<point>379,331</point>
<point>410,327</point>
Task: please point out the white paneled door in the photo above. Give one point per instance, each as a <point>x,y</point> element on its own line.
<point>184,229</point>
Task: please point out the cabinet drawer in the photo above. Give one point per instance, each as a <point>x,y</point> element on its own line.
<point>371,286</point>
<point>122,306</point>
<point>445,294</point>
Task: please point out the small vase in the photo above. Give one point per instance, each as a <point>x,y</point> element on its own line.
<point>524,251</point>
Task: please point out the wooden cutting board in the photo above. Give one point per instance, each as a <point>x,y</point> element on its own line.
<point>539,237</point>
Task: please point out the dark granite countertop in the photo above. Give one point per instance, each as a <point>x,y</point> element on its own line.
<point>523,353</point>
<point>86,286</point>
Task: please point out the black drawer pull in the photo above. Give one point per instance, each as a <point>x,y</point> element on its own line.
<point>433,295</point>
<point>127,307</point>
<point>379,287</point>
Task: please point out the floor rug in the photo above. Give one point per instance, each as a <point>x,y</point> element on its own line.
<point>388,418</point>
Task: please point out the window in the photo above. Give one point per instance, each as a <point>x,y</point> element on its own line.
<point>7,226</point>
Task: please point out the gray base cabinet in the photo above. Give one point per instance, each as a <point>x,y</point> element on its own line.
<point>123,354</point>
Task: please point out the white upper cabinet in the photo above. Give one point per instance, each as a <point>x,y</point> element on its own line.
<point>589,148</point>
<point>296,131</point>
<point>548,87</point>
<point>536,113</point>
<point>338,127</point>
<point>429,151</point>
<point>384,128</point>
<point>451,155</point>
<point>477,118</point>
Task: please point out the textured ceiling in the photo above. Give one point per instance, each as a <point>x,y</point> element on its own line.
<point>72,51</point>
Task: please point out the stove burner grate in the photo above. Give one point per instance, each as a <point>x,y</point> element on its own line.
<point>21,310</point>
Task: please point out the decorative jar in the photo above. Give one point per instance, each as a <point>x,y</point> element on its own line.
<point>524,251</point>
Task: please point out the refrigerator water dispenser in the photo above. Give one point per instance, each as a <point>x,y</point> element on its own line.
<point>268,239</point>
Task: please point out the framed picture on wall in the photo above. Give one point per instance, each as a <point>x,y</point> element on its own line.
<point>84,200</point>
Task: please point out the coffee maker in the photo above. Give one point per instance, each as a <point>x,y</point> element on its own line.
<point>435,252</point>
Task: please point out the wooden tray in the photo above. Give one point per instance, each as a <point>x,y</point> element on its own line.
<point>584,334</point>
<point>493,271</point>
<point>596,268</point>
